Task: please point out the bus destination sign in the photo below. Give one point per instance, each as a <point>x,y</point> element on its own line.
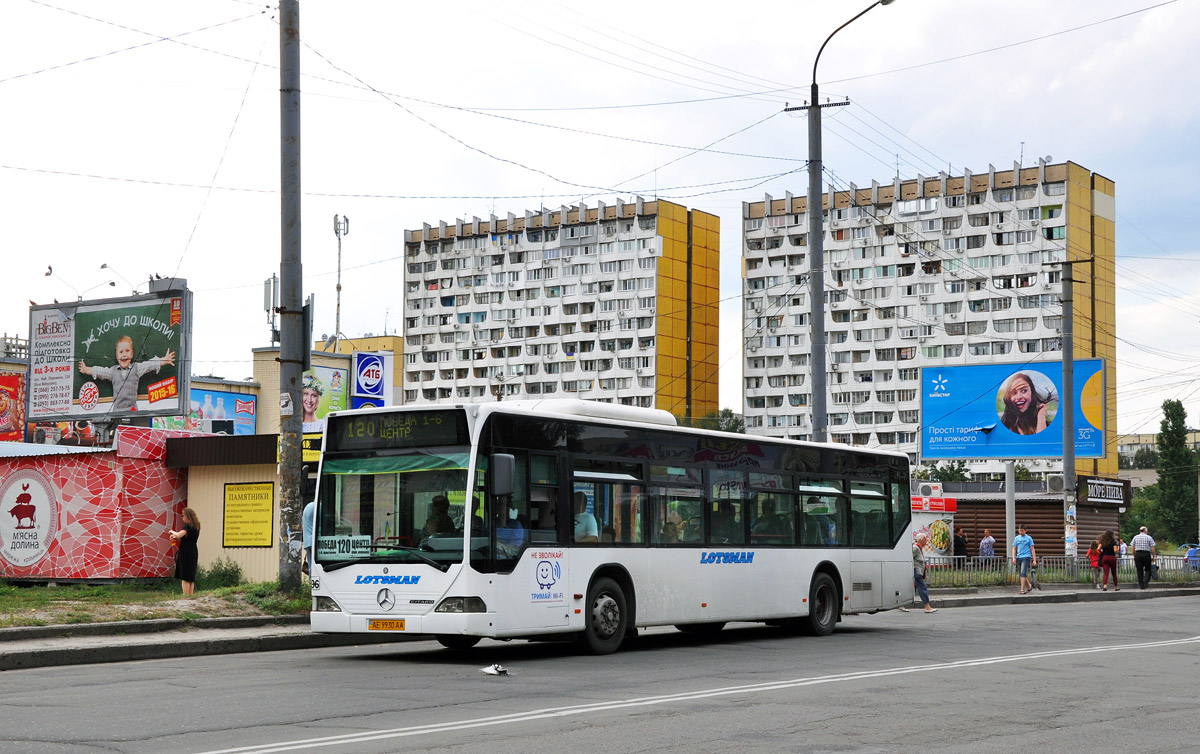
<point>386,430</point>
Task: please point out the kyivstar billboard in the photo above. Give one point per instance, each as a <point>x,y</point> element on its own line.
<point>1009,411</point>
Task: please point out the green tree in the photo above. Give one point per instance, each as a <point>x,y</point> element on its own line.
<point>725,420</point>
<point>953,471</point>
<point>1021,473</point>
<point>1140,511</point>
<point>1174,515</point>
<point>1145,458</point>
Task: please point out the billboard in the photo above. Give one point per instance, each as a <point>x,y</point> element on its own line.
<point>324,389</point>
<point>372,373</point>
<point>110,359</point>
<point>12,406</point>
<point>1002,411</point>
<point>216,411</point>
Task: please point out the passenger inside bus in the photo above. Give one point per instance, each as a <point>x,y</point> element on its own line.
<point>670,533</point>
<point>769,523</point>
<point>510,534</point>
<point>439,517</point>
<point>585,523</point>
<point>608,536</point>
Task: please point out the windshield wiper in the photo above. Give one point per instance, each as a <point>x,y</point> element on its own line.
<point>415,552</point>
<point>374,558</point>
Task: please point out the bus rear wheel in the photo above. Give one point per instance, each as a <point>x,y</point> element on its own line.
<point>822,607</point>
<point>457,641</point>
<point>606,618</point>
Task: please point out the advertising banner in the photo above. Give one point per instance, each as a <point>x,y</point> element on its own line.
<point>12,406</point>
<point>1001,411</point>
<point>372,377</point>
<point>324,389</point>
<point>110,359</point>
<point>249,515</point>
<point>216,411</point>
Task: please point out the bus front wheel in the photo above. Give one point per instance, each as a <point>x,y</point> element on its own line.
<point>457,641</point>
<point>822,606</point>
<point>605,619</point>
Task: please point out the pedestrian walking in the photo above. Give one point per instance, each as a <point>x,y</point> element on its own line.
<point>1124,547</point>
<point>1093,555</point>
<point>1024,557</point>
<point>1108,558</point>
<point>919,572</point>
<point>1144,554</point>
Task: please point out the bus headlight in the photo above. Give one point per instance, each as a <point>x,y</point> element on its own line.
<point>461,605</point>
<point>325,605</point>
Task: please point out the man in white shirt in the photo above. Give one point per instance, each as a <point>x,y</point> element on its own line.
<point>1144,553</point>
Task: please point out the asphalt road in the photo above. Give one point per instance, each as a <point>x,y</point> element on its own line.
<point>1081,677</point>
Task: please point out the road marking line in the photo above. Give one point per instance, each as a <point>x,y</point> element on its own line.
<point>583,709</point>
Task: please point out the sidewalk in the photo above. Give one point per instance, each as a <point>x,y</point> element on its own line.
<point>48,646</point>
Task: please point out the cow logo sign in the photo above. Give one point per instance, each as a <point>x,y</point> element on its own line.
<point>28,517</point>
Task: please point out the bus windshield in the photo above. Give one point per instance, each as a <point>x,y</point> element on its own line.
<point>399,508</point>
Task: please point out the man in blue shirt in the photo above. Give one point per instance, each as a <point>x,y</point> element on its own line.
<point>1024,555</point>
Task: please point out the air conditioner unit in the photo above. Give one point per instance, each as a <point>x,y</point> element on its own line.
<point>945,231</point>
<point>952,316</point>
<point>1034,223</point>
<point>929,489</point>
<point>1056,483</point>
<point>753,349</point>
<point>834,367</point>
<point>924,297</point>
<point>999,226</point>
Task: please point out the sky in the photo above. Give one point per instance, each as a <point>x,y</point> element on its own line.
<point>145,136</point>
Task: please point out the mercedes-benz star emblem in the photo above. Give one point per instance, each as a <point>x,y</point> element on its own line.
<point>386,599</point>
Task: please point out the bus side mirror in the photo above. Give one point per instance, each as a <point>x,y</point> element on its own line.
<point>502,467</point>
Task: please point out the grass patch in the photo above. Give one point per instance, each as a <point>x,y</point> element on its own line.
<point>40,605</point>
<point>268,598</point>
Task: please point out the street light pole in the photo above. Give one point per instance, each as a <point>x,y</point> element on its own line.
<point>816,249</point>
<point>340,228</point>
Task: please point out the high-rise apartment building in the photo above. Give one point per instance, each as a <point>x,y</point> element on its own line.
<point>614,303</point>
<point>949,270</point>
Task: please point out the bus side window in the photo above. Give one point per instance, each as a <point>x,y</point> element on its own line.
<point>542,514</point>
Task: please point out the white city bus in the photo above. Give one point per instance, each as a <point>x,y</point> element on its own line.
<point>529,519</point>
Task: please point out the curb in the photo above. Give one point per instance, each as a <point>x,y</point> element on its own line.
<point>125,652</point>
<point>1058,597</point>
<point>131,627</point>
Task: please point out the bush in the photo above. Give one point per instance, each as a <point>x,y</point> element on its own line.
<point>223,572</point>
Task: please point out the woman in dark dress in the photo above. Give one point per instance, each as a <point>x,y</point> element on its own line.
<point>188,556</point>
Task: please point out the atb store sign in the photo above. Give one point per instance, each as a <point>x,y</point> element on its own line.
<point>28,517</point>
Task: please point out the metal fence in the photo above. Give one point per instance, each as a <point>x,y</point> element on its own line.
<point>944,571</point>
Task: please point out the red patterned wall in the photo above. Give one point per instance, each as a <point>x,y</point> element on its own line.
<point>114,510</point>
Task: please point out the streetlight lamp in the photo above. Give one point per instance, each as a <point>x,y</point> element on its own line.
<point>816,250</point>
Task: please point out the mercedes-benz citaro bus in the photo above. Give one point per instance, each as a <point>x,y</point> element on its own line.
<point>531,519</point>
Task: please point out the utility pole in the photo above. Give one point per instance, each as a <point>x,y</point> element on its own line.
<point>292,339</point>
<point>816,245</point>
<point>1066,405</point>
<point>340,228</point>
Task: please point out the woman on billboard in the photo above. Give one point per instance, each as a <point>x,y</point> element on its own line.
<point>1027,407</point>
